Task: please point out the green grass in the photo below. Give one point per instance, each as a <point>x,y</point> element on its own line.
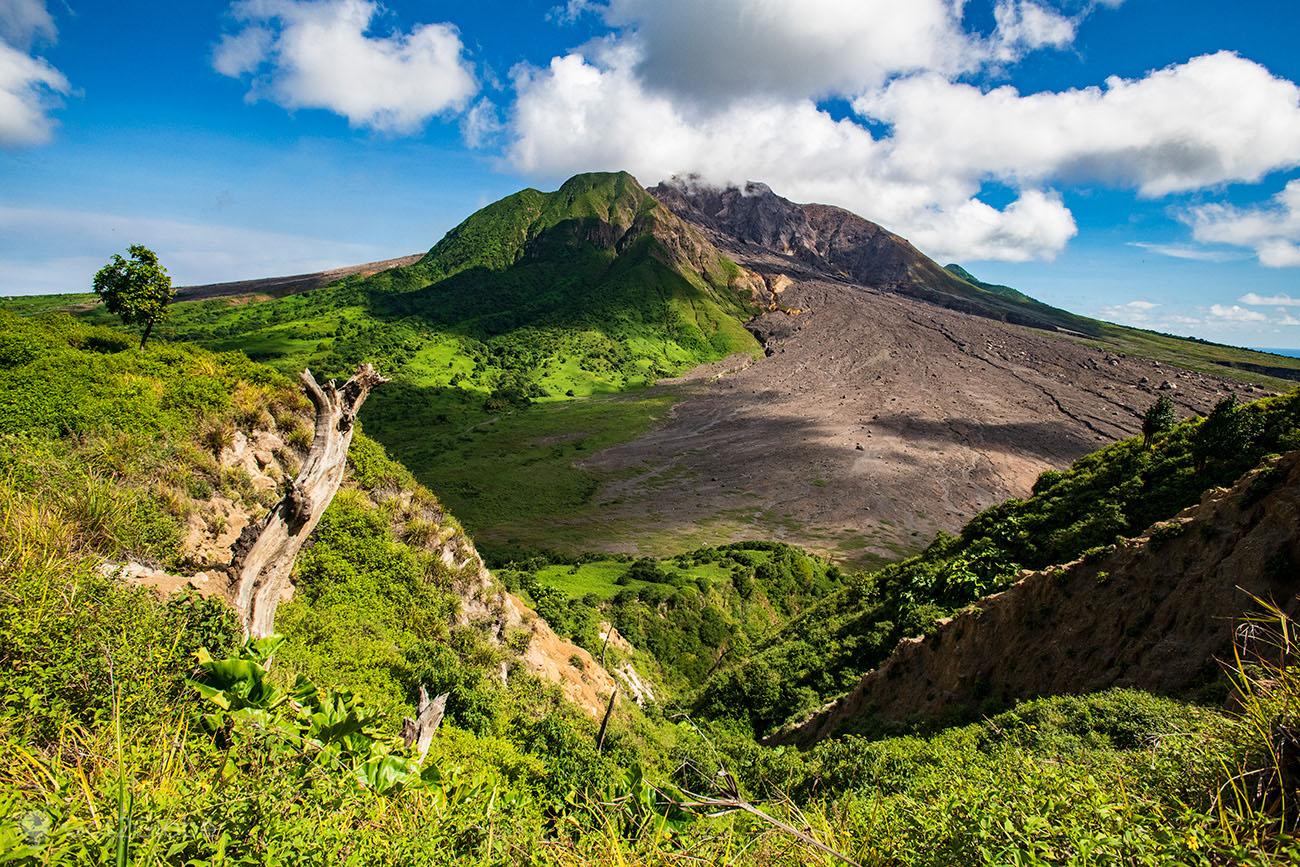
<point>512,477</point>
<point>684,616</point>
<point>1213,359</point>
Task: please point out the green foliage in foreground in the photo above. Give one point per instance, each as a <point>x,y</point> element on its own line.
<point>254,773</point>
<point>684,617</point>
<point>133,730</point>
<point>1116,492</point>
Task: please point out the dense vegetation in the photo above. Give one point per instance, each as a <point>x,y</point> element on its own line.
<point>683,617</point>
<point>135,730</point>
<point>514,329</point>
<point>1118,491</point>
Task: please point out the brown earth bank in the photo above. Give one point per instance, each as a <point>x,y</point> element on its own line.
<point>875,421</point>
<point>1159,613</point>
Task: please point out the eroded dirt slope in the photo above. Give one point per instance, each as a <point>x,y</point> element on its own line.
<point>1159,613</point>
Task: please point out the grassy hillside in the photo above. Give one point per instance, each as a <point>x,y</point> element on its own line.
<point>1117,491</point>
<point>504,336</point>
<point>683,617</point>
<point>110,753</point>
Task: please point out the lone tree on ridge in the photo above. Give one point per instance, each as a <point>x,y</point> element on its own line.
<point>136,290</point>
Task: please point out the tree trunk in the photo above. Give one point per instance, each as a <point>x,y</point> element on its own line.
<point>264,555</point>
<point>148,328</point>
<point>419,731</point>
<point>604,723</point>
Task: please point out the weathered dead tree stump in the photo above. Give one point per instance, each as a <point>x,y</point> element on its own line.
<point>264,556</point>
<point>428,716</point>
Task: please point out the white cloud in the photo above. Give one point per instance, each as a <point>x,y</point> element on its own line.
<point>1271,230</point>
<point>1024,25</point>
<point>192,252</point>
<point>317,54</point>
<point>1236,313</point>
<point>1214,119</point>
<point>1136,312</point>
<point>736,48</point>
<point>1257,300</point>
<point>1185,251</point>
<point>242,52</point>
<point>28,91</point>
<point>481,124</point>
<point>29,86</point>
<point>24,21</point>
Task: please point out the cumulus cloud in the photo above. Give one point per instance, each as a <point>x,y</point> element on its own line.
<point>1236,313</point>
<point>735,48</point>
<point>1024,25</point>
<point>29,90</point>
<point>1136,312</point>
<point>29,86</point>
<point>321,54</point>
<point>1214,119</point>
<point>1271,230</point>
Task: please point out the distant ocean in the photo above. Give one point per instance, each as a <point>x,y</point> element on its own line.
<point>1293,353</point>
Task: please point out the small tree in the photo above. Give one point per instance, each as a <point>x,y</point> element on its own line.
<point>1159,419</point>
<point>137,290</point>
<point>1228,431</point>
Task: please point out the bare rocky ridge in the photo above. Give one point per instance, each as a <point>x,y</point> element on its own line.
<point>1158,613</point>
<point>839,244</point>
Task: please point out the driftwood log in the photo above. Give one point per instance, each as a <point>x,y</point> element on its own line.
<point>428,716</point>
<point>264,556</point>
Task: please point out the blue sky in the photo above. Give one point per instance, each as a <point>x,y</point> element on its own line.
<point>1123,159</point>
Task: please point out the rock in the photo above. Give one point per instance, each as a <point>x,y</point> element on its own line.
<point>1168,386</point>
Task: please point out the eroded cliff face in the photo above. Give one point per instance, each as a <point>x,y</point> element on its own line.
<point>263,461</point>
<point>1159,613</point>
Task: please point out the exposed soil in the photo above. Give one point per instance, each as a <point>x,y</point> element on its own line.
<point>876,420</point>
<point>1161,613</point>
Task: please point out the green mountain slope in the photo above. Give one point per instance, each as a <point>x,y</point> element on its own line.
<point>592,288</point>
